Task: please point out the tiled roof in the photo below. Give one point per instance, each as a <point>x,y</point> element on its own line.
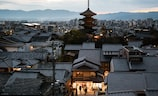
<point>124,82</point>
<point>29,62</point>
<point>152,93</point>
<point>64,65</point>
<point>72,47</point>
<point>58,65</point>
<point>24,86</point>
<point>142,35</point>
<point>46,34</point>
<point>151,81</point>
<point>88,12</point>
<point>111,47</point>
<point>9,63</point>
<point>13,38</point>
<point>22,75</point>
<point>119,64</point>
<point>135,43</point>
<point>41,44</point>
<point>151,51</point>
<point>40,38</point>
<point>88,45</point>
<point>85,45</point>
<point>149,64</point>
<point>3,79</point>
<point>60,74</point>
<point>148,93</point>
<point>87,59</point>
<point>19,38</point>
<point>85,66</point>
<point>90,53</point>
<point>122,94</point>
<point>104,58</point>
<point>12,63</point>
<point>24,55</point>
<point>7,42</point>
<point>131,83</point>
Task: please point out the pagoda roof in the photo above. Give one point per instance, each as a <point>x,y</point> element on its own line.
<point>84,19</point>
<point>88,12</point>
<point>88,25</point>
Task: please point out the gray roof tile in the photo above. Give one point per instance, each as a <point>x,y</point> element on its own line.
<point>24,55</point>
<point>150,64</point>
<point>22,75</point>
<point>88,45</point>
<point>111,47</point>
<point>124,82</point>
<point>119,64</point>
<point>72,47</point>
<point>122,94</point>
<point>24,86</point>
<point>151,81</point>
<point>152,93</point>
<point>95,54</point>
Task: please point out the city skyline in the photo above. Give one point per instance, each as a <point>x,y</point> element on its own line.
<point>98,6</point>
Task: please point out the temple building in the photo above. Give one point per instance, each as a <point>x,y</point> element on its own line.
<point>88,22</point>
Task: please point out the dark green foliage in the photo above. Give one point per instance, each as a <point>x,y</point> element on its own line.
<point>74,37</point>
<point>114,40</point>
<point>153,41</point>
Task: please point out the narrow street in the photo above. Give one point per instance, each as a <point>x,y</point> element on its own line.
<point>89,93</point>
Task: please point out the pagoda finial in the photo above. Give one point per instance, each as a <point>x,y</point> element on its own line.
<point>88,4</point>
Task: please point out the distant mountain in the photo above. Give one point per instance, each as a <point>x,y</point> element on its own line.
<point>127,16</point>
<point>38,15</point>
<point>60,15</point>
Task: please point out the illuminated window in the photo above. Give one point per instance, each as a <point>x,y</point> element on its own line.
<point>79,74</point>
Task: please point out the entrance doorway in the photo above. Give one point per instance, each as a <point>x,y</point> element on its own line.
<point>92,88</point>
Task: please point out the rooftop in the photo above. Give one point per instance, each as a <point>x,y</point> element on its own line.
<point>129,83</point>
<point>72,47</point>
<point>24,55</point>
<point>88,45</point>
<point>88,12</point>
<point>86,64</point>
<point>94,54</point>
<point>149,64</point>
<point>24,86</point>
<point>111,47</point>
<point>4,78</point>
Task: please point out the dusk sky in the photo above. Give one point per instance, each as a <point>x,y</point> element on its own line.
<point>98,6</point>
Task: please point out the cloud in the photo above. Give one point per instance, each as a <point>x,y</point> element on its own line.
<point>154,9</point>
<point>6,2</point>
<point>105,6</point>
<point>111,6</point>
<point>54,0</point>
<point>20,4</point>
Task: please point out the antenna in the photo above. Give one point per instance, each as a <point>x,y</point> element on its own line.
<point>88,4</point>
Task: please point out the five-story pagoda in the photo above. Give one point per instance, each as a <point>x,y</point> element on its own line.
<point>88,22</point>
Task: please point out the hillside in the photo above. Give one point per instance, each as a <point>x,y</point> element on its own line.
<point>62,15</point>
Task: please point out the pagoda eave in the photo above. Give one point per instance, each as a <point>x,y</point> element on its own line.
<point>88,12</point>
<point>88,19</point>
<point>86,25</point>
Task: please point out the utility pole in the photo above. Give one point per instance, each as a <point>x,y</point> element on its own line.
<point>53,70</point>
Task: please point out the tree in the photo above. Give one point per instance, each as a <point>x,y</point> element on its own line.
<point>74,37</point>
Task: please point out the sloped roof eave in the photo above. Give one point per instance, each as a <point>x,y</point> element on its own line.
<point>88,12</point>
<point>85,63</point>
